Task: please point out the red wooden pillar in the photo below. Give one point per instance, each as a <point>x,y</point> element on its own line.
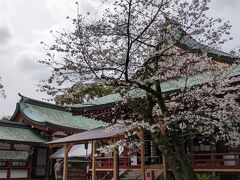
<point>9,168</point>
<point>10,164</point>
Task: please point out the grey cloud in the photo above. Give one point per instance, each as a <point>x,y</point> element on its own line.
<point>221,4</point>
<point>28,65</point>
<point>85,6</point>
<point>5,35</point>
<point>228,10</point>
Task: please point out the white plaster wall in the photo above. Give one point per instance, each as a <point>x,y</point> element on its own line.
<point>19,173</point>
<point>3,173</point>
<point>4,146</point>
<point>228,161</point>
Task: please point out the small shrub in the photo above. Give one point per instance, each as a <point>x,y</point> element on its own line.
<point>206,177</point>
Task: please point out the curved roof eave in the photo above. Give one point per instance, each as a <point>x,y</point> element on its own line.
<point>17,110</point>
<point>52,117</point>
<point>41,103</point>
<point>46,125</point>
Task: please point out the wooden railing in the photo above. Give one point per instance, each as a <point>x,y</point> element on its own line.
<point>200,162</point>
<point>124,162</point>
<point>107,163</point>
<point>215,161</point>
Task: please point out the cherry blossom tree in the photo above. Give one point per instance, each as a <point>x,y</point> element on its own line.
<point>165,50</point>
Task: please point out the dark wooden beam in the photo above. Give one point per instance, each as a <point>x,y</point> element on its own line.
<point>164,162</point>
<point>115,163</point>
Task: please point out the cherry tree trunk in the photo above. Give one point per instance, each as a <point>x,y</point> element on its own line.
<point>176,157</point>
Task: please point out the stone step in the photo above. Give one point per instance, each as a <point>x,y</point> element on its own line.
<point>131,175</point>
<point>136,175</point>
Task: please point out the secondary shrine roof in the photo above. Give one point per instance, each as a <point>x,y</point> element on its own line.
<point>13,132</point>
<point>94,134</point>
<point>77,151</point>
<point>46,115</point>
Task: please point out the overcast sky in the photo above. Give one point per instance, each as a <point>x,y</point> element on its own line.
<point>25,23</point>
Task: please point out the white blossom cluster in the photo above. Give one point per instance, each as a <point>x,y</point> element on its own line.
<point>2,92</point>
<point>211,109</point>
<point>132,146</point>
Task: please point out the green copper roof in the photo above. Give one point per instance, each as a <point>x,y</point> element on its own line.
<point>189,42</point>
<point>102,100</point>
<point>44,114</point>
<point>15,132</point>
<point>167,86</point>
<point>192,43</point>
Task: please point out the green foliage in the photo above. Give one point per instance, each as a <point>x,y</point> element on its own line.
<point>79,93</point>
<point>206,177</point>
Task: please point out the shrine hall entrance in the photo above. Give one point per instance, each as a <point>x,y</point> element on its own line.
<point>39,164</point>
